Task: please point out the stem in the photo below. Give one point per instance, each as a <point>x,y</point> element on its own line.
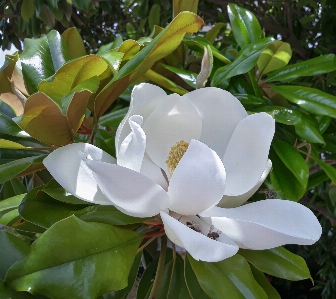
<point>159,270</point>
<point>146,244</point>
<point>254,83</point>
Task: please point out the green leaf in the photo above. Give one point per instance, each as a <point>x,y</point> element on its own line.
<point>27,9</point>
<point>304,125</point>
<point>312,67</point>
<point>6,72</point>
<point>310,99</point>
<point>293,160</point>
<point>19,167</point>
<point>8,293</point>
<point>112,45</point>
<point>154,16</point>
<point>244,62</point>
<point>193,285</point>
<point>41,58</point>
<point>82,4</point>
<point>107,214</point>
<point>41,209</point>
<point>250,101</point>
<point>213,32</point>
<point>265,284</point>
<point>187,76</point>
<point>328,169</point>
<point>231,276</point>
<point>10,144</point>
<point>245,26</point>
<point>11,203</point>
<point>73,253</point>
<point>275,56</point>
<point>164,82</point>
<point>181,5</point>
<point>122,294</point>
<point>278,262</point>
<point>162,45</point>
<point>8,126</point>
<point>284,181</point>
<point>74,43</point>
<point>12,249</point>
<point>113,118</point>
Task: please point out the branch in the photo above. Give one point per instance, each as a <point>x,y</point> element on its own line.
<point>10,16</point>
<point>321,210</point>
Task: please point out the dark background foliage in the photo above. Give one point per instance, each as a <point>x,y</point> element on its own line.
<point>308,25</point>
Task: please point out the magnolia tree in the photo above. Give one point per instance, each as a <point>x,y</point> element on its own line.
<point>161,167</point>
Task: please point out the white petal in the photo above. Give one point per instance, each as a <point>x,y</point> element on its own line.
<point>150,169</point>
<point>198,182</point>
<point>144,99</point>
<point>173,120</point>
<point>66,166</point>
<point>236,201</point>
<point>267,224</point>
<point>132,149</point>
<point>246,155</point>
<point>220,112</point>
<point>131,192</point>
<point>199,246</point>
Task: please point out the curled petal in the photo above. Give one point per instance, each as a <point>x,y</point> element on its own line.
<point>236,201</point>
<point>132,149</point>
<point>144,99</point>
<point>196,243</point>
<point>246,155</point>
<point>131,192</point>
<point>220,112</point>
<point>266,224</point>
<point>154,172</point>
<point>198,182</point>
<point>173,120</point>
<point>66,166</point>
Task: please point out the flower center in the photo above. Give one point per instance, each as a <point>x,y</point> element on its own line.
<point>175,155</point>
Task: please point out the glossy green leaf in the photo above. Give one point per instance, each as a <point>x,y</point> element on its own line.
<point>74,43</point>
<point>112,45</point>
<point>316,179</point>
<point>275,56</point>
<point>154,16</point>
<point>12,249</point>
<point>284,181</point>
<point>9,217</point>
<point>198,43</point>
<point>41,58</point>
<point>304,125</point>
<point>8,126</point>
<point>72,253</point>
<point>8,293</point>
<point>6,72</point>
<point>182,5</point>
<point>122,294</point>
<point>213,32</point>
<point>187,76</point>
<point>245,26</point>
<point>113,118</point>
<point>27,9</point>
<point>193,285</point>
<point>310,99</point>
<point>250,101</point>
<point>41,209</point>
<point>10,144</point>
<point>107,214</point>
<point>231,276</point>
<point>164,82</point>
<point>293,160</point>
<point>114,59</point>
<point>162,45</point>
<point>11,203</point>
<point>265,284</point>
<point>278,262</point>
<point>328,169</point>
<point>312,67</point>
<point>244,62</point>
<point>12,169</point>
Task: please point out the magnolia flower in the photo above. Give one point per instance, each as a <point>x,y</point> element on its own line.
<point>195,159</point>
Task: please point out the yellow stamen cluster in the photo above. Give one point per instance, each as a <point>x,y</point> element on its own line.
<point>175,155</point>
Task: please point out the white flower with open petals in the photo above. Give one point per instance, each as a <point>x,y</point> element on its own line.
<point>195,159</point>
